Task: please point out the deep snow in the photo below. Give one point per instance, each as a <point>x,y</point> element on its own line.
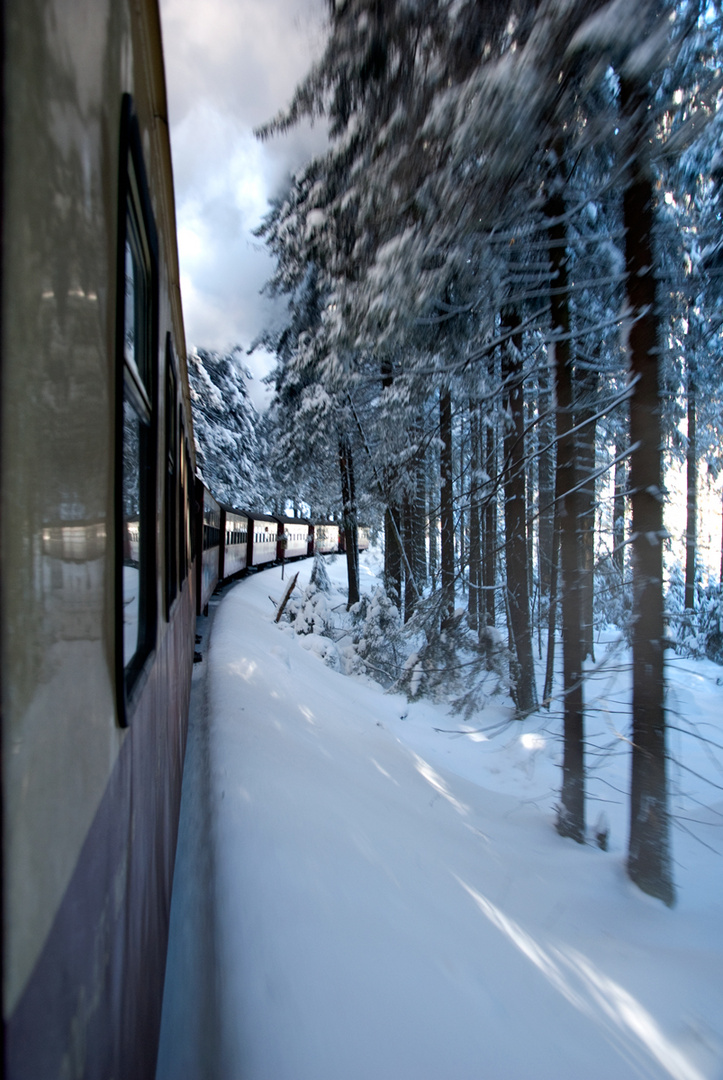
<point>362,896</point>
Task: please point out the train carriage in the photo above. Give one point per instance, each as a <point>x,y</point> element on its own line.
<point>110,545</point>
<point>326,537</point>
<point>362,538</point>
<point>263,538</point>
<point>235,551</point>
<point>98,594</point>
<point>294,534</point>
<point>209,568</point>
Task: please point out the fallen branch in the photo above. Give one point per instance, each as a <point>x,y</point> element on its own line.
<point>287,597</point>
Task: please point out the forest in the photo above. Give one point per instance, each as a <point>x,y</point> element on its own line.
<point>503,347</point>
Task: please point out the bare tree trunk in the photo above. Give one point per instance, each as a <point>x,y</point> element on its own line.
<point>649,859</point>
<point>571,813</point>
<point>475,554</point>
<point>546,483</point>
<point>516,548</point>
<point>531,490</point>
<point>419,562</point>
<point>720,576</point>
<point>392,522</point>
<point>586,386</point>
<point>489,529</point>
<point>432,475</point>
<point>691,464</point>
<point>462,553</point>
<point>446,502</point>
<point>393,555</point>
<point>410,592</point>
<point>621,483</point>
<point>552,614</point>
<point>349,518</point>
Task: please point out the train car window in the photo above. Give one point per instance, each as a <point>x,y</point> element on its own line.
<point>171,517</point>
<point>195,510</point>
<point>184,500</point>
<point>181,495</point>
<point>137,393</point>
<point>190,532</point>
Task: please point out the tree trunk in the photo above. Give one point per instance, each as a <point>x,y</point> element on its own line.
<point>546,487</point>
<point>419,561</point>
<point>446,503</point>
<point>621,484</point>
<point>649,859</point>
<point>419,564</point>
<point>571,813</point>
<point>489,529</point>
<point>516,547</point>
<point>475,559</point>
<point>547,523</point>
<point>552,614</point>
<point>432,475</point>
<point>691,464</point>
<point>392,521</point>
<point>410,592</point>
<point>461,544</point>
<point>392,556</point>
<point>586,387</point>
<point>349,519</point>
<point>720,576</point>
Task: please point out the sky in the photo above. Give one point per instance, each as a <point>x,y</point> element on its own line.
<point>230,66</point>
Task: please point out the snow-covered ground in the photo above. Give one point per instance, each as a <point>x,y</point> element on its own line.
<point>368,889</point>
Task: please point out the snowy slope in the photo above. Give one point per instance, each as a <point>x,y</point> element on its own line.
<point>391,901</point>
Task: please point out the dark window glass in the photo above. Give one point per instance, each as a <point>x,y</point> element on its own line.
<point>183,502</point>
<point>171,508</point>
<point>137,473</point>
<point>132,525</point>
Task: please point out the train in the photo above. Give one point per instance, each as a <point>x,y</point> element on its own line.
<point>98,591</point>
<point>111,544</point>
<point>235,541</point>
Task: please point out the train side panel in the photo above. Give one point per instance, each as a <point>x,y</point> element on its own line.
<point>295,533</point>
<point>326,537</point>
<point>209,547</point>
<point>362,539</point>
<point>236,543</point>
<point>95,682</point>
<point>263,536</point>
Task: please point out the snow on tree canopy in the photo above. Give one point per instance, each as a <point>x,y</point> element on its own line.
<point>225,424</point>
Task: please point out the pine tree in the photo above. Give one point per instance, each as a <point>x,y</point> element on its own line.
<point>225,425</point>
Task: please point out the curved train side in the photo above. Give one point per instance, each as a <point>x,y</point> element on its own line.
<point>98,591</point>
<point>234,541</point>
<point>110,544</point>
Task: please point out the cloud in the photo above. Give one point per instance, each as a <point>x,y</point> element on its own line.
<point>242,55</point>
<point>230,65</point>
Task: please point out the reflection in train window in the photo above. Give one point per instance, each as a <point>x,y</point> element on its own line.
<point>171,480</point>
<point>136,438</point>
<point>185,499</point>
<point>137,420</point>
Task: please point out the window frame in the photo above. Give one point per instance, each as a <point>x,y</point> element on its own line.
<point>139,388</point>
<point>185,501</point>
<point>171,479</point>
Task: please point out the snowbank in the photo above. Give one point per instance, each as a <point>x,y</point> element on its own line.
<point>392,900</point>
